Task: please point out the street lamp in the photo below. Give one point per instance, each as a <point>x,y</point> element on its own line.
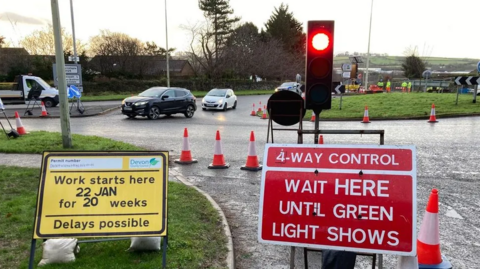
<point>368,49</point>
<point>73,34</point>
<point>166,41</point>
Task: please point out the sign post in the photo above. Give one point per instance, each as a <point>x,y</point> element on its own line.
<point>102,194</point>
<point>342,197</point>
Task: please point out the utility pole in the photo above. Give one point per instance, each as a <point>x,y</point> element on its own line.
<point>62,81</point>
<point>166,40</point>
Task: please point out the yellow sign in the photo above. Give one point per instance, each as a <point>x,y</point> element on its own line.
<point>108,194</point>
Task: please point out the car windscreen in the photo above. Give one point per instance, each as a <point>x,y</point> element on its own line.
<point>288,84</point>
<point>152,93</point>
<point>218,93</point>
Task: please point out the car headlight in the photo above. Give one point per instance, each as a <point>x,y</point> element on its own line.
<point>220,101</point>
<point>123,101</point>
<point>203,100</point>
<point>276,89</point>
<point>140,103</point>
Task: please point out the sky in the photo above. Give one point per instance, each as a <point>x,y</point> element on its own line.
<point>437,28</point>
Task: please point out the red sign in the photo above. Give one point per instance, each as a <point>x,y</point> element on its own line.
<point>357,198</point>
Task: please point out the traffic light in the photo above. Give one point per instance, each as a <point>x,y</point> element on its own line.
<point>319,65</point>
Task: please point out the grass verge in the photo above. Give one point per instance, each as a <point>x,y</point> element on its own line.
<point>196,238</point>
<point>113,97</point>
<point>39,141</point>
<point>399,105</point>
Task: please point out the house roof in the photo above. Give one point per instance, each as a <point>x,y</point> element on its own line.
<point>13,51</point>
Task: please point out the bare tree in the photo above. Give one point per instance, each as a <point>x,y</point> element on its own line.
<point>41,42</point>
<point>202,48</point>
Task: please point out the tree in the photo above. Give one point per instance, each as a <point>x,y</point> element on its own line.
<point>413,67</point>
<point>248,53</point>
<point>152,49</point>
<point>115,52</point>
<point>283,26</point>
<point>41,42</point>
<point>218,13</point>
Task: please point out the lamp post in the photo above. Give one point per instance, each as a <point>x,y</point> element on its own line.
<point>73,35</point>
<point>368,49</point>
<point>166,41</point>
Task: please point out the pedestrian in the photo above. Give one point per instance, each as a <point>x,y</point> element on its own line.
<point>409,85</point>
<point>404,86</point>
<point>388,86</point>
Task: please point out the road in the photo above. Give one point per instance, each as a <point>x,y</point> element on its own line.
<point>448,154</point>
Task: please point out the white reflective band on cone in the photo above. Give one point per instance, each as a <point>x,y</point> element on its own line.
<point>186,145</point>
<point>251,149</point>
<point>218,147</point>
<point>429,231</point>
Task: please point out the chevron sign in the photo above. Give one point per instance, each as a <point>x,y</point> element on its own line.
<point>467,80</point>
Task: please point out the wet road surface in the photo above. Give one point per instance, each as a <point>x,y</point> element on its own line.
<point>448,158</point>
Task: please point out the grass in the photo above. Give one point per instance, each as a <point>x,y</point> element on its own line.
<point>196,238</point>
<point>400,105</point>
<point>39,141</point>
<point>199,94</point>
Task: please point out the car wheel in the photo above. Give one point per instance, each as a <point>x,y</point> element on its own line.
<point>234,105</point>
<point>131,116</point>
<point>225,107</point>
<point>168,114</point>
<point>190,111</point>
<point>204,108</point>
<point>48,102</point>
<point>153,113</point>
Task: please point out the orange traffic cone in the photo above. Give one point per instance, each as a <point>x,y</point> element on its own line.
<point>186,155</point>
<point>253,111</point>
<point>433,118</point>
<point>259,106</point>
<point>264,115</point>
<point>20,129</point>
<point>312,119</point>
<point>44,111</point>
<point>366,119</point>
<point>218,158</point>
<point>428,241</point>
<point>252,159</point>
<point>320,139</point>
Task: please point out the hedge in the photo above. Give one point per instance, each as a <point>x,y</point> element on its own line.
<point>136,86</point>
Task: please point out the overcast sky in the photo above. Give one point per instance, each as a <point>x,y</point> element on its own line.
<point>436,27</point>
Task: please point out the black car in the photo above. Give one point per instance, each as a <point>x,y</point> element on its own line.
<point>160,100</point>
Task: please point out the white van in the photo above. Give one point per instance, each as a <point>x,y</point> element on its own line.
<point>22,85</point>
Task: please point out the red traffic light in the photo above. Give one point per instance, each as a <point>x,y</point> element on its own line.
<point>320,41</point>
<point>319,65</point>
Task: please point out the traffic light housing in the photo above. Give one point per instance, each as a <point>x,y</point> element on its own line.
<point>319,65</point>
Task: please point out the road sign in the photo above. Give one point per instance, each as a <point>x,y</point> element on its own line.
<point>346,74</point>
<point>346,67</point>
<point>85,194</point>
<point>340,89</point>
<point>467,80</point>
<point>73,59</point>
<point>73,74</point>
<point>344,197</point>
